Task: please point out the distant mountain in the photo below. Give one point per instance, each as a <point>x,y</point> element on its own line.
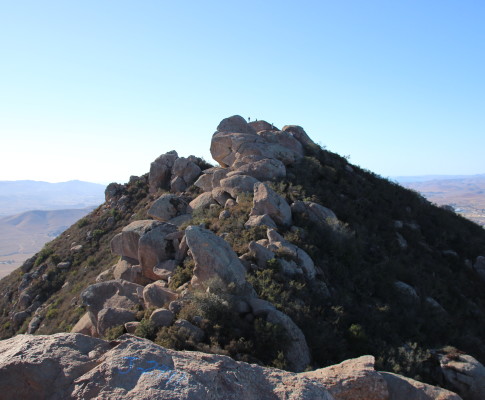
<point>22,235</point>
<point>466,193</point>
<point>426,178</point>
<point>19,196</point>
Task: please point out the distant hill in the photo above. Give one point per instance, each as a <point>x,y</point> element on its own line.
<point>19,196</point>
<point>466,193</point>
<point>22,235</point>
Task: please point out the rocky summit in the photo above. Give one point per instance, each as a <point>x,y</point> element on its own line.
<point>284,272</point>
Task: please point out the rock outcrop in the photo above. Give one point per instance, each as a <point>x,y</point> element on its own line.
<point>464,374</point>
<point>214,257</point>
<point>353,379</point>
<point>74,366</point>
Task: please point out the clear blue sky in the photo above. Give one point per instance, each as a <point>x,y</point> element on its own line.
<point>96,90</point>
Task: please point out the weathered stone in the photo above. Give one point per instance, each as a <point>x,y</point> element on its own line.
<point>112,191</point>
<point>126,243</point>
<point>315,212</point>
<point>402,388</point>
<point>282,246</point>
<point>213,257</point>
<point>190,330</point>
<point>125,270</point>
<point>224,214</point>
<point>267,201</point>
<point>238,184</point>
<point>236,124</point>
<point>167,206</point>
<point>218,175</point>
<point>261,254</point>
<point>261,125</point>
<point>131,326</point>
<point>299,134</point>
<point>44,367</point>
<point>161,171</point>
<point>177,185</point>
<point>64,265</point>
<point>106,275</point>
<point>34,324</point>
<point>156,295</point>
<point>154,248</point>
<point>229,203</point>
<point>353,379</point>
<point>165,269</point>
<point>465,375</point>
<point>76,248</point>
<point>111,294</point>
<point>202,201</point>
<point>220,196</point>
<point>267,169</point>
<point>162,317</point>
<point>297,353</point>
<point>185,169</point>
<point>180,220</point>
<point>204,182</point>
<point>86,326</point>
<point>260,220</point>
<point>111,317</point>
<point>175,306</point>
<point>408,293</point>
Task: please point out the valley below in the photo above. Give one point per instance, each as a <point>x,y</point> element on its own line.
<point>466,194</point>
<point>22,235</point>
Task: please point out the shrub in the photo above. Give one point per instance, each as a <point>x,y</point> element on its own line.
<point>114,332</point>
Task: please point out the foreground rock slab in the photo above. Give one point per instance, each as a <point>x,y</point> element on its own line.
<point>74,366</point>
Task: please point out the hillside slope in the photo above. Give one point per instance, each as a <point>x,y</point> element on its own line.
<point>22,235</point>
<point>284,255</point>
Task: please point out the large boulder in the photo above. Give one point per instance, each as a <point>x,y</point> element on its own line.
<point>353,379</point>
<point>464,374</point>
<point>237,184</point>
<point>283,247</point>
<point>202,201</point>
<point>267,201</point>
<point>167,206</point>
<point>236,143</point>
<point>111,317</point>
<point>402,388</point>
<point>261,125</point>
<point>67,366</point>
<point>267,169</point>
<point>235,124</point>
<point>75,366</point>
<point>299,134</point>
<point>161,171</point>
<point>184,172</point>
<point>85,326</point>
<point>204,182</point>
<point>315,212</point>
<point>125,243</point>
<point>214,257</point>
<point>162,317</point>
<point>124,269</point>
<point>45,367</point>
<point>155,247</point>
<point>156,295</point>
<point>111,294</point>
<point>297,353</point>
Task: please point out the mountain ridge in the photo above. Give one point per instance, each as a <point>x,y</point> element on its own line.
<point>285,255</point>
